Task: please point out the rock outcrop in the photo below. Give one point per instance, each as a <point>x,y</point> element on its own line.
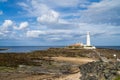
<point>100,70</point>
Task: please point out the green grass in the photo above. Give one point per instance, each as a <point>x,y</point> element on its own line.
<point>117,78</point>
<point>6,69</point>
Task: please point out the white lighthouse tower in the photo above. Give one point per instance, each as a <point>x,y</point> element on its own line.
<point>88,44</point>
<point>88,39</point>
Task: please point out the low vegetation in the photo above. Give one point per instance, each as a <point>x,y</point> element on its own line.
<point>15,59</point>
<point>6,69</point>
<point>117,78</point>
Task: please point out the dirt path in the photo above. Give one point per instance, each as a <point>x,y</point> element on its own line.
<point>74,60</point>
<point>75,76</point>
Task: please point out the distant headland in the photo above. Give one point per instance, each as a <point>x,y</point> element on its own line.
<point>3,49</point>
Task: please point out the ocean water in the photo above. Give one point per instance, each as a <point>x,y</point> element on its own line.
<point>25,48</point>
<point>33,48</point>
<point>110,47</point>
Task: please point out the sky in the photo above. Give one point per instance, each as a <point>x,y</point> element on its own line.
<point>59,22</point>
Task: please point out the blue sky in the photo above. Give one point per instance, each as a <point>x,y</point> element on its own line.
<point>59,22</point>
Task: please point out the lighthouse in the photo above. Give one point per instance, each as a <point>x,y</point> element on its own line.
<point>88,44</point>
<point>83,46</point>
<point>88,39</point>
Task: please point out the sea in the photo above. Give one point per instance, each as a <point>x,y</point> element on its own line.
<point>23,49</point>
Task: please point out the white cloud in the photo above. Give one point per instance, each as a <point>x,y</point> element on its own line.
<point>59,31</point>
<point>6,28</point>
<point>39,7</point>
<point>1,12</point>
<point>34,33</point>
<point>6,24</point>
<point>23,25</point>
<point>102,4</point>
<point>54,35</point>
<point>105,11</point>
<point>54,39</point>
<point>49,17</point>
<point>34,8</point>
<point>41,11</point>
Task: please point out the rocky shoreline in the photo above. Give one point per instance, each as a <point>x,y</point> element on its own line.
<point>56,62</point>
<point>100,70</point>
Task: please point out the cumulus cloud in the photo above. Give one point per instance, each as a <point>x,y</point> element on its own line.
<point>9,30</point>
<point>42,12</point>
<point>6,24</point>
<point>49,17</point>
<point>23,25</point>
<point>5,29</point>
